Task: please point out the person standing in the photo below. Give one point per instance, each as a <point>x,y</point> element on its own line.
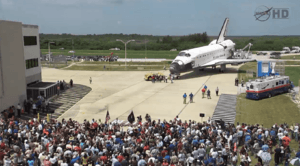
<point>90,80</point>
<point>236,82</point>
<point>71,83</point>
<point>242,82</point>
<point>34,108</point>
<point>217,91</point>
<point>203,93</point>
<point>191,97</point>
<point>171,79</point>
<point>58,89</point>
<point>19,109</point>
<point>166,79</point>
<point>205,87</point>
<point>208,94</point>
<point>184,98</point>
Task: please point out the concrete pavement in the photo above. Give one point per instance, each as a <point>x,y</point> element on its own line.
<point>124,91</point>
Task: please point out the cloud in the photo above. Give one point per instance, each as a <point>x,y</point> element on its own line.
<point>119,22</point>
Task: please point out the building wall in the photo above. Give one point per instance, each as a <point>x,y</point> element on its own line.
<point>31,52</point>
<point>12,64</point>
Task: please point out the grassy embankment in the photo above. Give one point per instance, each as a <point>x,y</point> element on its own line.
<point>278,109</point>
<point>291,57</point>
<point>121,53</point>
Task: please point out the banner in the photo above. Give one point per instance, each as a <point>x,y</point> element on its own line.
<point>48,118</point>
<point>38,117</point>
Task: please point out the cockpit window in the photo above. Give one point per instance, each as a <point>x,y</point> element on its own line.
<point>184,54</point>
<point>181,54</point>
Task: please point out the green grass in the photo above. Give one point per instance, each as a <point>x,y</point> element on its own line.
<point>115,68</point>
<point>267,112</point>
<point>292,62</point>
<point>121,53</point>
<point>129,63</point>
<point>291,57</point>
<point>242,73</point>
<point>294,73</point>
<point>278,109</point>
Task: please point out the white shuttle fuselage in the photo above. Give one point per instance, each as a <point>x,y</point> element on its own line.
<point>216,53</point>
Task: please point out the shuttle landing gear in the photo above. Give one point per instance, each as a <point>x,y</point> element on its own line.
<point>223,67</point>
<point>214,67</point>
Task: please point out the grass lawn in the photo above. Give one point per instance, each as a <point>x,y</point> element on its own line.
<point>242,73</point>
<point>278,109</point>
<point>267,112</point>
<point>116,68</point>
<point>294,73</point>
<point>291,57</point>
<point>121,53</point>
<point>128,63</point>
<point>292,62</point>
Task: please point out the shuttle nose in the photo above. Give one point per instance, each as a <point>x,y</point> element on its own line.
<point>174,68</point>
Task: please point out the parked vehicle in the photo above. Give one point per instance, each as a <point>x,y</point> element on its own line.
<point>268,87</point>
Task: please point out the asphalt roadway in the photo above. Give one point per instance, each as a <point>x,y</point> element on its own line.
<point>125,91</point>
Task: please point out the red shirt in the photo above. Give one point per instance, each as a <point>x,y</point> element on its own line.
<point>139,140</point>
<point>146,147</point>
<point>164,152</point>
<point>2,155</point>
<point>77,149</point>
<point>120,158</point>
<point>103,158</point>
<point>165,163</point>
<point>2,146</point>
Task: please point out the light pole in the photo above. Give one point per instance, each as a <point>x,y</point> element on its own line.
<point>125,49</point>
<point>49,49</point>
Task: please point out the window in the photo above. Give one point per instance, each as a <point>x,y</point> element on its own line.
<point>31,63</point>
<point>30,41</point>
<point>251,86</point>
<point>276,83</point>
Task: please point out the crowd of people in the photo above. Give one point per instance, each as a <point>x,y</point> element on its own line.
<point>142,143</point>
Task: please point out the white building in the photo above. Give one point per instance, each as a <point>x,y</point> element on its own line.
<point>20,65</point>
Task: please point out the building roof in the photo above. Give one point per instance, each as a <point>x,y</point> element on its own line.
<point>42,84</point>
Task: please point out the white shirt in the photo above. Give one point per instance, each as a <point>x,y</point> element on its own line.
<point>296,128</point>
<point>76,164</point>
<point>64,164</point>
<point>40,127</point>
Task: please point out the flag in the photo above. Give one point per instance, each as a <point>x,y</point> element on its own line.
<point>107,116</point>
<point>111,53</point>
<point>131,118</point>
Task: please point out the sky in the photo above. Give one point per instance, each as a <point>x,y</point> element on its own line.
<point>152,17</point>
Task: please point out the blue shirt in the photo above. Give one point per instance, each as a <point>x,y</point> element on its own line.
<point>205,87</point>
<point>191,95</point>
<point>168,158</point>
<point>272,133</point>
<point>184,96</point>
<point>30,162</point>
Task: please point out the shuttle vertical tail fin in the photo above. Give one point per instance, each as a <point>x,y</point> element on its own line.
<point>223,31</point>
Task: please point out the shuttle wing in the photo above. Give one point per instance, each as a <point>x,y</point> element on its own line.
<point>223,31</point>
<point>227,61</point>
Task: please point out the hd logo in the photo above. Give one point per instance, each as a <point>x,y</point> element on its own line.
<point>263,13</point>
